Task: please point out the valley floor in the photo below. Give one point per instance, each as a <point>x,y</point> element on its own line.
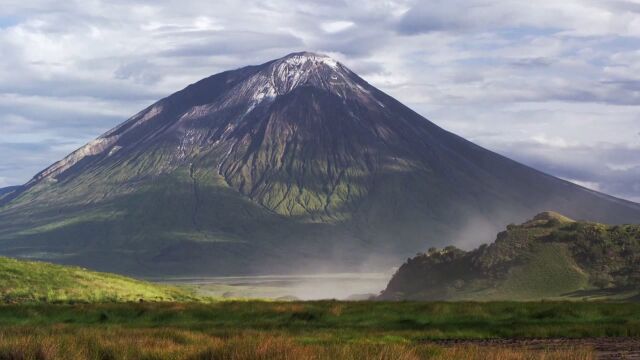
<point>317,330</point>
<point>340,286</point>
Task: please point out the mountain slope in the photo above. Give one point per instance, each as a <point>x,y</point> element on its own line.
<point>8,190</point>
<point>30,281</point>
<point>548,257</point>
<point>294,165</point>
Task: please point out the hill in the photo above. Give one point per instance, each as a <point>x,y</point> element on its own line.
<point>548,257</point>
<point>31,281</point>
<point>296,165</point>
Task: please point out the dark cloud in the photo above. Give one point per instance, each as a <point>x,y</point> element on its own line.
<point>140,71</point>
<point>532,62</point>
<point>463,16</point>
<point>433,16</point>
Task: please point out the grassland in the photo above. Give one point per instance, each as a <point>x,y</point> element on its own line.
<point>32,281</point>
<point>167,343</point>
<point>307,330</point>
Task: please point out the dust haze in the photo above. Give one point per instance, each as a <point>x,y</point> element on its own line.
<point>477,231</point>
<point>331,278</point>
<point>320,281</point>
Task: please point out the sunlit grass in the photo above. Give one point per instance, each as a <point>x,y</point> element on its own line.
<point>68,342</point>
<point>32,281</point>
<point>303,330</point>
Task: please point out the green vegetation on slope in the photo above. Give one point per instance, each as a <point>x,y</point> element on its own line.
<point>549,270</point>
<point>548,257</point>
<point>31,281</point>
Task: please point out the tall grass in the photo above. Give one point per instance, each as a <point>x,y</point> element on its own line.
<point>347,321</point>
<point>73,343</point>
<point>302,330</point>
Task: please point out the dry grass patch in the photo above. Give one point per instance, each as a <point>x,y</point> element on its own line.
<point>114,343</point>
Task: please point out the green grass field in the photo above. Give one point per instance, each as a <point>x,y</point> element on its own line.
<point>322,329</point>
<point>33,281</point>
<point>349,321</point>
<point>59,312</point>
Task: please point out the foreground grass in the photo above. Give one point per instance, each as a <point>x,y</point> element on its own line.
<point>71,343</point>
<point>334,321</point>
<point>302,330</point>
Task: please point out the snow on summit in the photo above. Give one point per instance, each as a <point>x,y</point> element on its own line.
<point>298,59</point>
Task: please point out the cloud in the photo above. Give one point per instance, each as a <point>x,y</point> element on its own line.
<point>607,167</point>
<point>223,43</point>
<point>570,17</point>
<point>553,84</point>
<point>336,26</point>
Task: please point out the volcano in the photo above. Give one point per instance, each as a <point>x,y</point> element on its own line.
<point>294,165</point>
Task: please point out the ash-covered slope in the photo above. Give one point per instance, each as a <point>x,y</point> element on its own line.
<point>547,257</point>
<point>285,166</point>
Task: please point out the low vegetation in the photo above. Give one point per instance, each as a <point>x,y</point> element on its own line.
<point>335,321</point>
<point>60,312</point>
<point>548,257</point>
<point>307,330</point>
<point>72,343</point>
<point>32,281</point>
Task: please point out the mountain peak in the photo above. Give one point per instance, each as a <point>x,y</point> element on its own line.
<point>551,215</point>
<point>548,218</point>
<point>303,57</point>
<point>306,68</point>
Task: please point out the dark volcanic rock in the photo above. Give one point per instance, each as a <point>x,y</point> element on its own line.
<point>294,164</point>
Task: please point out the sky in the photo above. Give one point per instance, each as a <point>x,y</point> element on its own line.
<point>552,84</point>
